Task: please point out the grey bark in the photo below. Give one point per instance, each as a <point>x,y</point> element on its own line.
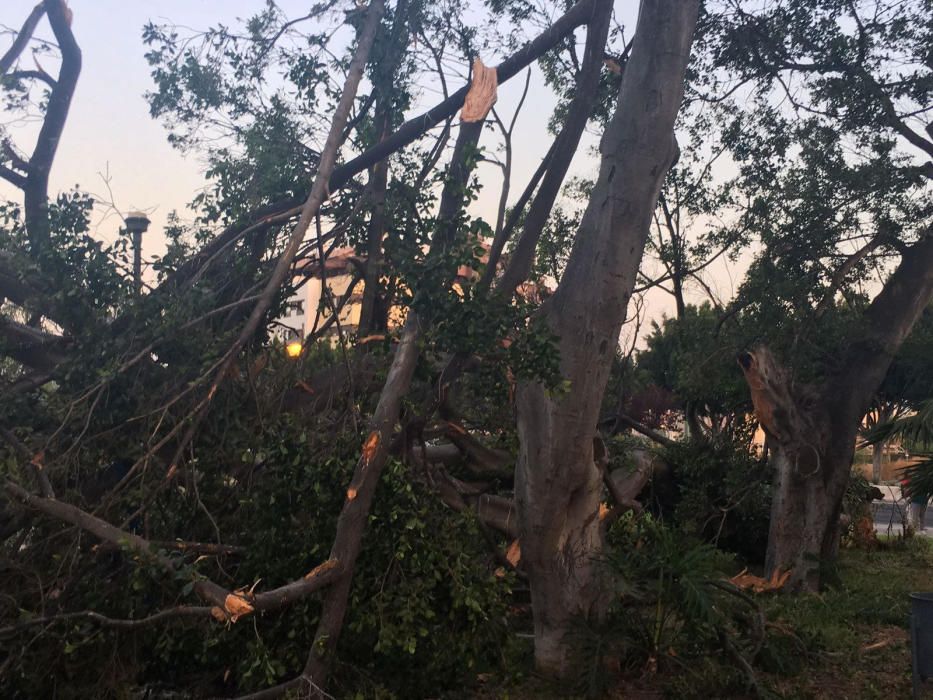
<point>558,485</point>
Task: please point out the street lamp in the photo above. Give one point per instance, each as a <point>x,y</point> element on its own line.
<point>137,223</point>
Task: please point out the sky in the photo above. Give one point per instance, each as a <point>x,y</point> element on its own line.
<point>113,149</point>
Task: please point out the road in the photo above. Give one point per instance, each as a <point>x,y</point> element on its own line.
<point>892,511</point>
<point>887,513</point>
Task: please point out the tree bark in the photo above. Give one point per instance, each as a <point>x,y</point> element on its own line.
<point>36,190</point>
<point>558,485</point>
<point>373,316</point>
<point>369,322</point>
<point>877,458</point>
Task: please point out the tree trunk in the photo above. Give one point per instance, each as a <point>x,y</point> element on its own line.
<point>379,178</point>
<point>558,485</point>
<point>811,458</point>
<point>877,457</point>
<point>804,533</point>
<point>351,523</point>
<point>373,314</point>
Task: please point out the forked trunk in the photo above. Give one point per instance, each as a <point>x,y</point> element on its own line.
<point>558,486</point>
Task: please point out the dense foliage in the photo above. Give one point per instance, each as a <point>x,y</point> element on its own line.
<point>149,446</point>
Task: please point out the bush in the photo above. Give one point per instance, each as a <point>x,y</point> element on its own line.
<point>675,609</point>
<point>427,611</point>
<point>718,492</point>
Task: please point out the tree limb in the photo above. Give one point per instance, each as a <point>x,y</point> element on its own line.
<point>227,604</point>
<point>36,191</point>
<point>565,147</point>
<point>180,612</point>
<point>842,272</point>
<point>352,521</point>
<point>654,435</point>
<point>22,38</point>
<point>407,133</point>
<point>30,346</point>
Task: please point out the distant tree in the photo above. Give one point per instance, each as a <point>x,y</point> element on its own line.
<point>691,358</point>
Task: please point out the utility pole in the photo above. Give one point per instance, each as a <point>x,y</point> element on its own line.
<point>137,223</point>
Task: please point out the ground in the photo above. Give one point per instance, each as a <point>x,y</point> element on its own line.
<point>859,629</point>
<point>853,639</point>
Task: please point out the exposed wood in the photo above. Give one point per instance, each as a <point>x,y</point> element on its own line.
<point>482,93</point>
<point>812,430</point>
<point>35,462</point>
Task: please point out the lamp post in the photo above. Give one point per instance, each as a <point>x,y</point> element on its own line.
<point>137,223</point>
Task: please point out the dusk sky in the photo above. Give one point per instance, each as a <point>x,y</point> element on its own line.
<point>109,129</point>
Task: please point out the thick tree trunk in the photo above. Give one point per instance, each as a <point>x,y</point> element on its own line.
<point>558,485</point>
<point>804,532</point>
<point>811,459</point>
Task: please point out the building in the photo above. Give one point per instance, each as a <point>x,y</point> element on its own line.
<point>307,309</point>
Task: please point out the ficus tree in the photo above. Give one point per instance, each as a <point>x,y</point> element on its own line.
<point>837,169</point>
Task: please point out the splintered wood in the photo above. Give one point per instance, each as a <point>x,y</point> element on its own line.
<point>482,94</point>
<point>235,607</point>
<point>756,584</point>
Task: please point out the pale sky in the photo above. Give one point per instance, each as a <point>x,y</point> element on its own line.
<point>109,130</point>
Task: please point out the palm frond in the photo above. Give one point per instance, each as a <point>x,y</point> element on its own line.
<point>919,480</point>
<point>915,430</point>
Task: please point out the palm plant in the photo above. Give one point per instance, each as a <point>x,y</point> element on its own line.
<point>916,434</point>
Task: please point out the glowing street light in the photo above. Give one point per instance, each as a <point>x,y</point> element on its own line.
<point>294,348</point>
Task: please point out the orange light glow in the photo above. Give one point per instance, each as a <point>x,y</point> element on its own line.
<point>294,348</point>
